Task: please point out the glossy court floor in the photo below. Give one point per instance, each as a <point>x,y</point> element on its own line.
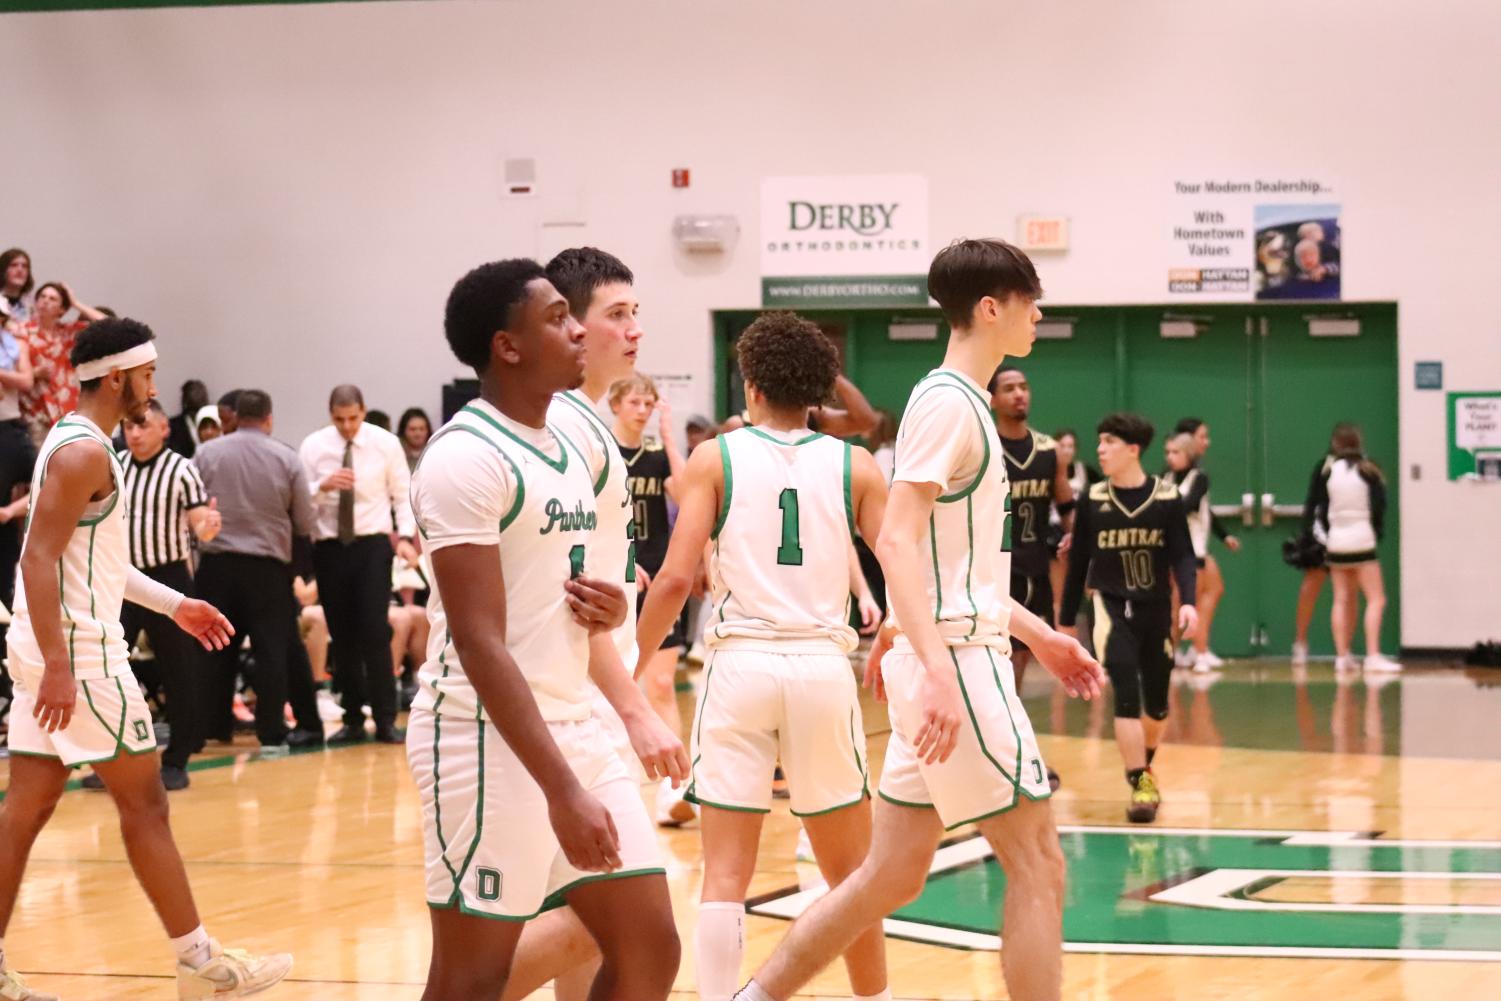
<point>1321,838</point>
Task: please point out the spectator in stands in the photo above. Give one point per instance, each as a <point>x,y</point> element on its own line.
<point>183,438</point>
<point>378,418</point>
<point>246,571</point>
<point>698,430</point>
<point>207,424</point>
<point>228,414</point>
<point>414,431</point>
<point>15,273</point>
<point>17,455</point>
<point>359,480</point>
<point>54,389</point>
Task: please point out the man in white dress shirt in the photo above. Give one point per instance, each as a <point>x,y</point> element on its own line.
<point>359,480</point>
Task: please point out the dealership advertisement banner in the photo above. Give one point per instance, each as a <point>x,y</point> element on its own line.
<point>1257,238</point>
<point>844,240</point>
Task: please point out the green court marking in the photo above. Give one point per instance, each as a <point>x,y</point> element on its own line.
<point>1192,892</point>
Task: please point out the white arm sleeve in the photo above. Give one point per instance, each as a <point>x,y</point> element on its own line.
<point>151,594</point>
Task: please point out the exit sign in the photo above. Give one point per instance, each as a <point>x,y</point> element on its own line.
<point>1042,232</point>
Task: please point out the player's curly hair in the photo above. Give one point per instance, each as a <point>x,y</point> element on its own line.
<point>484,301</point>
<point>788,359</point>
<point>109,336</point>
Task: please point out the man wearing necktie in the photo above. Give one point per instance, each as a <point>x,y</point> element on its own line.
<point>359,479</point>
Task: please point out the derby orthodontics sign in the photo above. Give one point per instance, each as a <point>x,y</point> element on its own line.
<point>852,240</point>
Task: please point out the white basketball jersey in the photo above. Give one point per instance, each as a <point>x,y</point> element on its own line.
<point>612,552</point>
<point>91,573</point>
<point>968,541</point>
<point>780,567</point>
<point>544,532</point>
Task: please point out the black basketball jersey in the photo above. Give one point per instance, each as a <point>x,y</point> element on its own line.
<point>1032,468</point>
<point>1127,542</point>
<point>647,470</point>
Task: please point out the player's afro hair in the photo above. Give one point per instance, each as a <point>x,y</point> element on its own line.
<point>481,303</point>
<point>789,360</point>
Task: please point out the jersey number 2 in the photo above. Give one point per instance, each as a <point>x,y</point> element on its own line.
<point>790,552</point>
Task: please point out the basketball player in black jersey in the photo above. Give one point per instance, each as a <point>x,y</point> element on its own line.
<point>650,468</point>
<point>1039,483</point>
<point>1130,533</point>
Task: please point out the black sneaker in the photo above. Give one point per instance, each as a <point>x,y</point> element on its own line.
<point>92,782</point>
<point>390,734</point>
<point>348,735</point>
<point>174,778</point>
<point>305,738</point>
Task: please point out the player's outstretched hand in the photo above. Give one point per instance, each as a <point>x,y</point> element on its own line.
<point>1066,659</point>
<point>597,605</point>
<point>1188,621</point>
<point>585,831</point>
<point>205,623</point>
<point>662,754</point>
<point>942,707</point>
<point>56,697</point>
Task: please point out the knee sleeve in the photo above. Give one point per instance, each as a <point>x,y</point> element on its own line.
<point>1125,683</point>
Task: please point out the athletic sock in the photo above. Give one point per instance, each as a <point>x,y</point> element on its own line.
<point>1133,776</point>
<point>1151,753</point>
<point>753,992</point>
<point>883,996</point>
<point>720,945</point>
<point>193,949</point>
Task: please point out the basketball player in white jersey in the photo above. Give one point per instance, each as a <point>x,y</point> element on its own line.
<point>76,700</point>
<point>781,504</point>
<point>962,749</point>
<point>601,296</point>
<point>526,805</point>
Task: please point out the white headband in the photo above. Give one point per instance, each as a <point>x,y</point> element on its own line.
<point>127,359</point>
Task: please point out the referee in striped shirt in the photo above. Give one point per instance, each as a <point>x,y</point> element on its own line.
<point>167,500</point>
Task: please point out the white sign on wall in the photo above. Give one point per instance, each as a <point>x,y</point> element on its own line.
<point>854,239</point>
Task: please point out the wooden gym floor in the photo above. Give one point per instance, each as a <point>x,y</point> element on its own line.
<point>1269,875</point>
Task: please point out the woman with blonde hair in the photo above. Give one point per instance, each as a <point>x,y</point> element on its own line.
<point>1347,499</point>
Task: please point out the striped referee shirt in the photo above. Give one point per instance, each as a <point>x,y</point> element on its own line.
<point>161,491</point>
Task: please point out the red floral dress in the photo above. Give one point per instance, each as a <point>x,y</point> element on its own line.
<point>55,396</point>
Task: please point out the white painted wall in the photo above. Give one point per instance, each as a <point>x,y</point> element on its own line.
<point>286,193</point>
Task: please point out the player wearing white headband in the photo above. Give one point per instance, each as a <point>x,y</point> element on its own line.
<point>76,700</point>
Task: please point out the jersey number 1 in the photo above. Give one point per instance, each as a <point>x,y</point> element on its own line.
<point>790,552</point>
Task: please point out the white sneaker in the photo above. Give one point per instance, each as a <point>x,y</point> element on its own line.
<point>672,809</point>
<point>1300,653</point>
<point>1345,664</point>
<point>231,973</point>
<point>329,710</point>
<point>13,988</point>
<point>695,654</point>
<point>804,851</point>
<point>1184,657</point>
<point>1378,662</point>
<point>1208,661</point>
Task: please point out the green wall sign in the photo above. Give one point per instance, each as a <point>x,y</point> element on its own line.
<point>1474,435</point>
<point>802,292</point>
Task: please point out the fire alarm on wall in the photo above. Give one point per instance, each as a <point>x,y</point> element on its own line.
<point>680,177</point>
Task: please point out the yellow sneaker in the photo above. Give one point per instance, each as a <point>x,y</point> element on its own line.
<point>1144,800</point>
<point>231,973</point>
<point>13,988</point>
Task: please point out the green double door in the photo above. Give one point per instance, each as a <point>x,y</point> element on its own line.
<point>1270,380</point>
